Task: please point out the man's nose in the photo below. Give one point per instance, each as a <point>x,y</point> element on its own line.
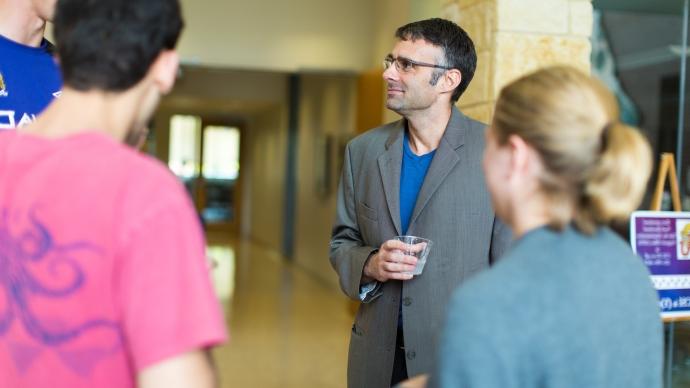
<point>391,73</point>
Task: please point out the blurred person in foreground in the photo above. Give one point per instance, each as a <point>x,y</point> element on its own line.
<point>103,276</point>
<point>29,77</point>
<point>569,305</point>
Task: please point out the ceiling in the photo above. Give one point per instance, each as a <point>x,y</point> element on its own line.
<point>647,6</point>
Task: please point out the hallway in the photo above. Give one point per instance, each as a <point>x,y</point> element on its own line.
<point>287,328</point>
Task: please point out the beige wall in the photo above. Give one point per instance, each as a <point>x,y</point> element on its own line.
<point>278,35</point>
<point>424,9</point>
<point>392,14</point>
<point>327,111</point>
<point>264,199</point>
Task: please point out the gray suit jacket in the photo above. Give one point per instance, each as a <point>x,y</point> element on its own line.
<point>453,209</point>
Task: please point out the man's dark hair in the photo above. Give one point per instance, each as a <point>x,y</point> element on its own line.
<point>111,44</point>
<point>456,44</point>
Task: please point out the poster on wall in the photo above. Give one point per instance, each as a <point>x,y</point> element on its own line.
<point>662,240</point>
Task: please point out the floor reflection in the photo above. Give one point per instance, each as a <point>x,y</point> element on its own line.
<point>287,329</point>
<point>222,260</point>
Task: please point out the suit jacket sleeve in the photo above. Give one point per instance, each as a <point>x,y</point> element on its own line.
<point>348,253</point>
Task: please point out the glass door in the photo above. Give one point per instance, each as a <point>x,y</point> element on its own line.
<point>220,172</point>
<point>205,156</point>
<point>639,49</point>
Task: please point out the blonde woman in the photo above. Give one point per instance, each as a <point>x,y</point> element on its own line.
<point>569,305</point>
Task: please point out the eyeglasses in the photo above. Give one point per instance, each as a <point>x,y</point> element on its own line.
<point>406,65</point>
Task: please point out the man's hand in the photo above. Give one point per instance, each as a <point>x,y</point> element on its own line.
<point>390,262</point>
<point>418,381</point>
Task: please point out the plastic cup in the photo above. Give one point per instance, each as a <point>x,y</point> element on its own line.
<point>420,252</point>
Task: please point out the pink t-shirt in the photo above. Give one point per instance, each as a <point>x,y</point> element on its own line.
<point>102,264</point>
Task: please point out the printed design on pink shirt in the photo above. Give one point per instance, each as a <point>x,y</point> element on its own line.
<point>25,252</point>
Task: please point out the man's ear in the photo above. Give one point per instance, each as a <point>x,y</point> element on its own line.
<point>164,70</point>
<point>452,79</point>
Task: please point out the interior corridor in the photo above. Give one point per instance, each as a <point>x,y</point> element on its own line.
<point>287,329</point>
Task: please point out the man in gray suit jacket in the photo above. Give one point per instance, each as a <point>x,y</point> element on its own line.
<point>418,176</point>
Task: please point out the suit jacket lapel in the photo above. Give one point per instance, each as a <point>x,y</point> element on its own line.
<point>390,163</point>
<point>444,161</point>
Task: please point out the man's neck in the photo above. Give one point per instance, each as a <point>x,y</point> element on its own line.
<point>75,112</point>
<point>20,23</point>
<point>426,128</point>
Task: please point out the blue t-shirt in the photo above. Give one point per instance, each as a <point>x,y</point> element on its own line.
<point>412,173</point>
<point>29,80</point>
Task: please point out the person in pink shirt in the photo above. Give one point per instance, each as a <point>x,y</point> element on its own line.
<point>103,276</point>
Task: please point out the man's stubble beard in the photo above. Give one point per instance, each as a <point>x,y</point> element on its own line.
<point>396,105</point>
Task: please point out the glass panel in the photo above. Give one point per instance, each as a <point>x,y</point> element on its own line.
<point>220,169</point>
<point>221,153</point>
<point>185,133</point>
<point>636,53</point>
<point>637,50</point>
<point>678,334</point>
<point>683,158</point>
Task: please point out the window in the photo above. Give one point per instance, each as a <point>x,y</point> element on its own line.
<point>221,153</point>
<point>185,136</point>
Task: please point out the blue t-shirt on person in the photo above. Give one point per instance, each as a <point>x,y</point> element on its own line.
<point>29,81</point>
<point>412,174</point>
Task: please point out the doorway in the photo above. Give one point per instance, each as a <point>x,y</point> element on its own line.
<point>205,154</point>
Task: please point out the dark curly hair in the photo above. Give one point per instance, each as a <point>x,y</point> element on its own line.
<point>457,46</point>
<point>111,44</point>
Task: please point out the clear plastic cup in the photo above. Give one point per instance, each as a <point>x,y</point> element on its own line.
<point>419,248</point>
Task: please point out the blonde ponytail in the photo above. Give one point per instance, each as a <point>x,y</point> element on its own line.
<point>595,168</point>
<point>616,184</point>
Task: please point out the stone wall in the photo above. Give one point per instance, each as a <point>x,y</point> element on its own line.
<point>515,37</point>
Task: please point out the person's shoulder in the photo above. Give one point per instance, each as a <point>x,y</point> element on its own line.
<point>373,142</point>
<point>617,252</point>
<point>517,263</point>
<point>611,239</point>
<point>473,129</point>
<point>472,124</point>
<point>490,286</point>
<point>378,135</point>
<point>603,241</point>
<point>22,51</point>
<point>149,172</point>
<point>6,43</point>
<point>134,167</point>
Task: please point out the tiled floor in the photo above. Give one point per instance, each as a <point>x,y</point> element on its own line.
<point>287,329</point>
